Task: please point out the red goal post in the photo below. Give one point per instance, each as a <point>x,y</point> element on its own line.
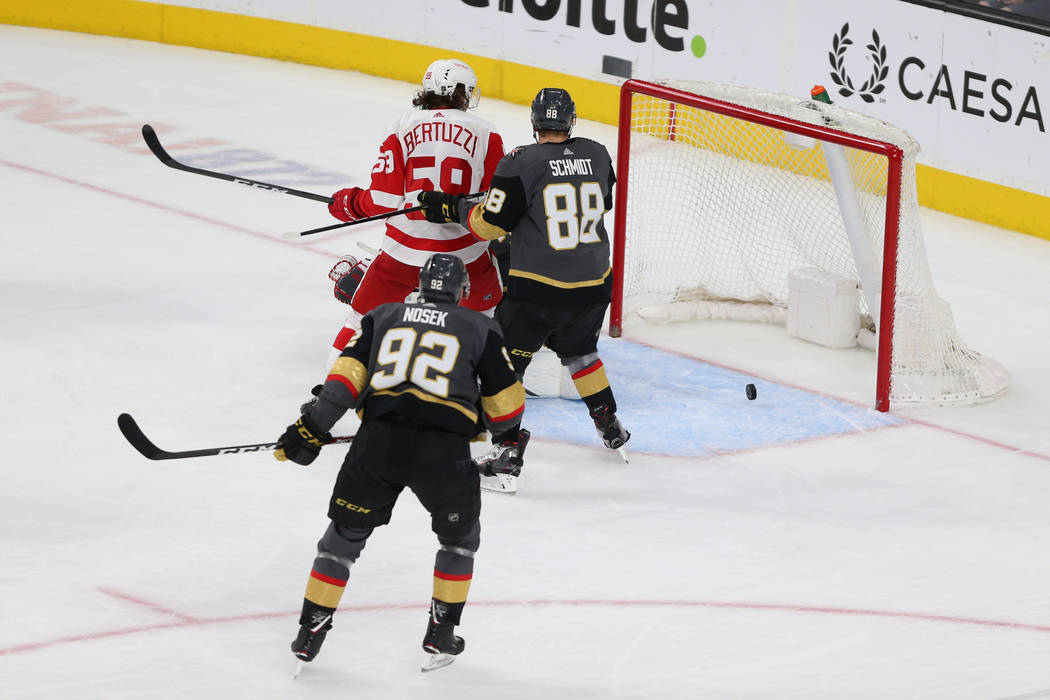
<point>722,191</point>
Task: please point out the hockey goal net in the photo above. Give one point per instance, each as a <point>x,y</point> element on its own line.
<point>724,191</point>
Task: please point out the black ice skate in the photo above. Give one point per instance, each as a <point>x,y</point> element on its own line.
<point>610,429</point>
<point>440,644</point>
<point>312,631</point>
<point>499,469</point>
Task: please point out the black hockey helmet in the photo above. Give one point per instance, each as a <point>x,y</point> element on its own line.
<point>443,277</point>
<point>553,110</point>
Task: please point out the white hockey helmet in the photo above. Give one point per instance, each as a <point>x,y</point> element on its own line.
<point>442,77</point>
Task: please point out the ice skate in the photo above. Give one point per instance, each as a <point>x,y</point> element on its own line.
<point>440,645</point>
<point>611,431</point>
<point>500,483</point>
<point>311,636</point>
<point>499,469</point>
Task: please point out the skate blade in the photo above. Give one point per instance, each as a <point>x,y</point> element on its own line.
<point>299,666</point>
<point>623,453</point>
<point>432,662</point>
<point>500,483</point>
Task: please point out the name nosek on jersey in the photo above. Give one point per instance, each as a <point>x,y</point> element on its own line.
<point>571,166</point>
<point>440,131</point>
<point>421,314</point>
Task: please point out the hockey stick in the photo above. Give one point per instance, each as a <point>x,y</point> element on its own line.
<point>153,142</point>
<point>292,235</point>
<point>140,442</point>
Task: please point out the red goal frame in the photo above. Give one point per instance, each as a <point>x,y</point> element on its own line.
<point>893,154</point>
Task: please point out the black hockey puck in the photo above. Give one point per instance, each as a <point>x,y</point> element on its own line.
<point>751,392</point>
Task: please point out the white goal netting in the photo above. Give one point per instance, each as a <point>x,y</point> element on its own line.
<point>720,209</point>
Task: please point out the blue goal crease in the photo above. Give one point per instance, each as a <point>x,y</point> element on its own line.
<point>680,406</point>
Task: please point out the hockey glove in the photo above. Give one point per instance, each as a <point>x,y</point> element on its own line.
<point>441,208</point>
<point>301,442</point>
<point>347,274</point>
<point>481,432</point>
<point>315,392</point>
<point>344,204</point>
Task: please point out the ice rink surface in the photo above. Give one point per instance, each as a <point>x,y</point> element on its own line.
<point>797,546</point>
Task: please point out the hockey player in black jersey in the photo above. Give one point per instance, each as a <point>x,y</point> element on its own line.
<point>417,375</point>
<point>550,197</point>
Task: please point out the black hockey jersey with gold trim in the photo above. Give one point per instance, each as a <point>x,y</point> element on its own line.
<point>551,198</point>
<point>423,362</point>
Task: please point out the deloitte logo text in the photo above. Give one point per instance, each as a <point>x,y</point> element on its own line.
<point>960,89</point>
<point>668,20</point>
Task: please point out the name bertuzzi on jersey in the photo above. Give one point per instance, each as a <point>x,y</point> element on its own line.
<point>456,134</point>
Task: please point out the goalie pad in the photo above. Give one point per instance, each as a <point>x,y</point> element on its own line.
<point>546,377</point>
<point>347,275</point>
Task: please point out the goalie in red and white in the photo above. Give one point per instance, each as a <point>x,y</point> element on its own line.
<point>439,145</point>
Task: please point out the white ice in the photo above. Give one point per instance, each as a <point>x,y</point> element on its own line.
<point>898,562</point>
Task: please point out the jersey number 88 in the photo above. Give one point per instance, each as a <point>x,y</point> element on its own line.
<point>572,213</point>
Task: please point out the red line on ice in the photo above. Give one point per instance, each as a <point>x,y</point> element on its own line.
<point>155,607</point>
<point>188,621</point>
<point>163,207</point>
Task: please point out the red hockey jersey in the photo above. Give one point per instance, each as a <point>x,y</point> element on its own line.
<point>443,149</point>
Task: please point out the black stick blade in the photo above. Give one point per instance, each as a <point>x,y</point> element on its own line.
<point>153,143</point>
<point>133,433</point>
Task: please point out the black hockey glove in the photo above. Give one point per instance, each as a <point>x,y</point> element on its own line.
<point>481,431</point>
<point>441,208</point>
<point>316,391</point>
<point>301,442</point>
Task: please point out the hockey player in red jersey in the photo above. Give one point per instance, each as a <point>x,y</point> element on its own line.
<point>439,145</point>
